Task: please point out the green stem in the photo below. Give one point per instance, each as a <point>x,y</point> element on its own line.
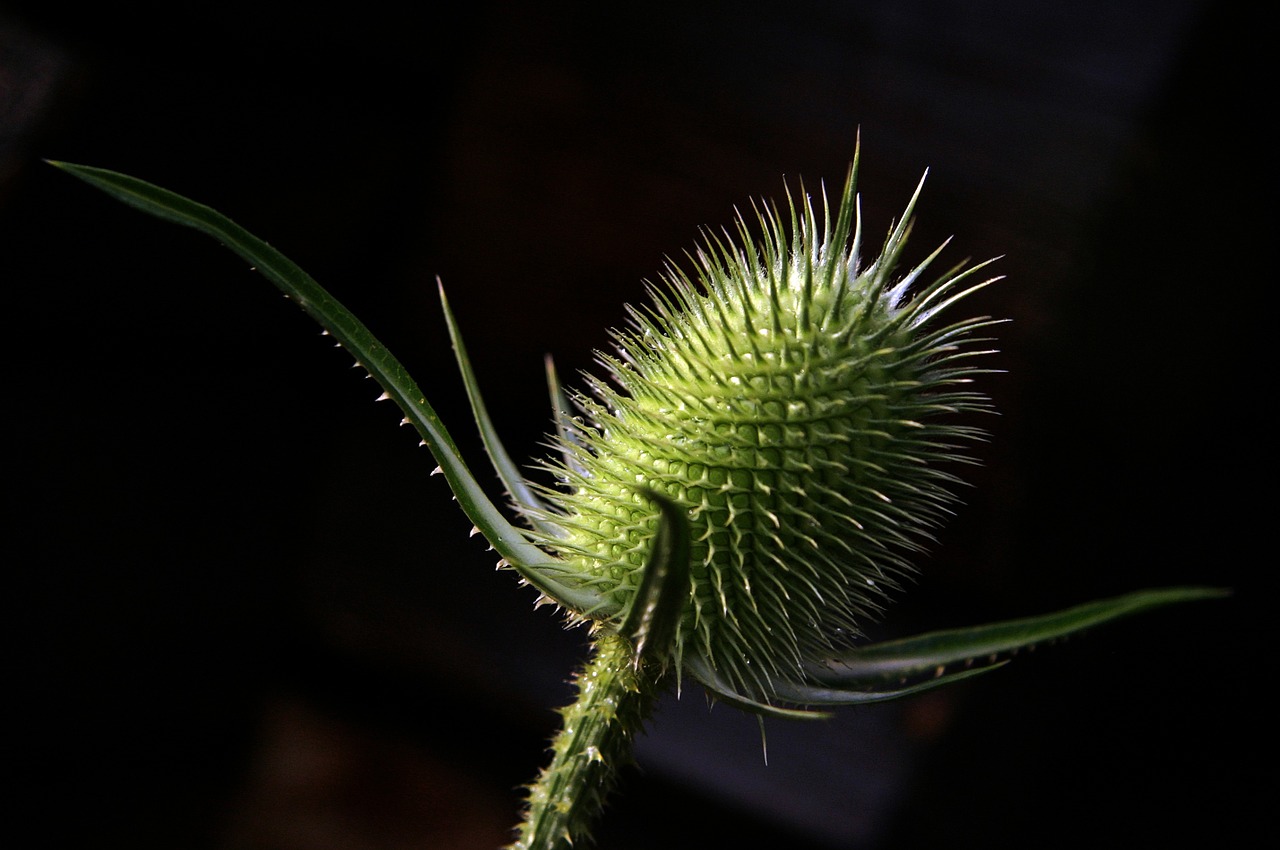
<point>614,698</point>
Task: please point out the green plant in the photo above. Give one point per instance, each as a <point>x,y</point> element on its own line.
<point>775,441</point>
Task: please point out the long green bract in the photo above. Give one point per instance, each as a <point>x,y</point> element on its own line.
<point>928,653</point>
<point>653,618</point>
<point>889,670</point>
<point>533,564</point>
<point>516,486</point>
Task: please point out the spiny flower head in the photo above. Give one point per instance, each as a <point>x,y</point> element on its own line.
<point>799,408</point>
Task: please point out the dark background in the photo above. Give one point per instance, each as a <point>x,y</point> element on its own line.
<point>242,616</point>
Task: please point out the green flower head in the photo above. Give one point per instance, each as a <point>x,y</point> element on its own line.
<point>798,406</point>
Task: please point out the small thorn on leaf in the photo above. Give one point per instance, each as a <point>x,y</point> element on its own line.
<point>437,470</point>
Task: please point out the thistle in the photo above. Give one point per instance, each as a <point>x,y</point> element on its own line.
<point>795,408</point>
<point>776,438</point>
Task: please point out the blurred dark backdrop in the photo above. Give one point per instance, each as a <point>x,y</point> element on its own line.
<point>241,616</point>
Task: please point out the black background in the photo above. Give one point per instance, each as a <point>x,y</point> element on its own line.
<point>240,613</point>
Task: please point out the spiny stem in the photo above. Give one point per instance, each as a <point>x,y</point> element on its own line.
<point>614,698</point>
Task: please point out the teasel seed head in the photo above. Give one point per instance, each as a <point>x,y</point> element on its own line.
<point>802,409</point>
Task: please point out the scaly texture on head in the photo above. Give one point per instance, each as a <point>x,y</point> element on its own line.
<point>798,406</point>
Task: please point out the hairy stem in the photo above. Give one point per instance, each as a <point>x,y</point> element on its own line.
<point>614,698</point>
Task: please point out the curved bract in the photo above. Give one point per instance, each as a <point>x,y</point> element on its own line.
<point>512,544</point>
